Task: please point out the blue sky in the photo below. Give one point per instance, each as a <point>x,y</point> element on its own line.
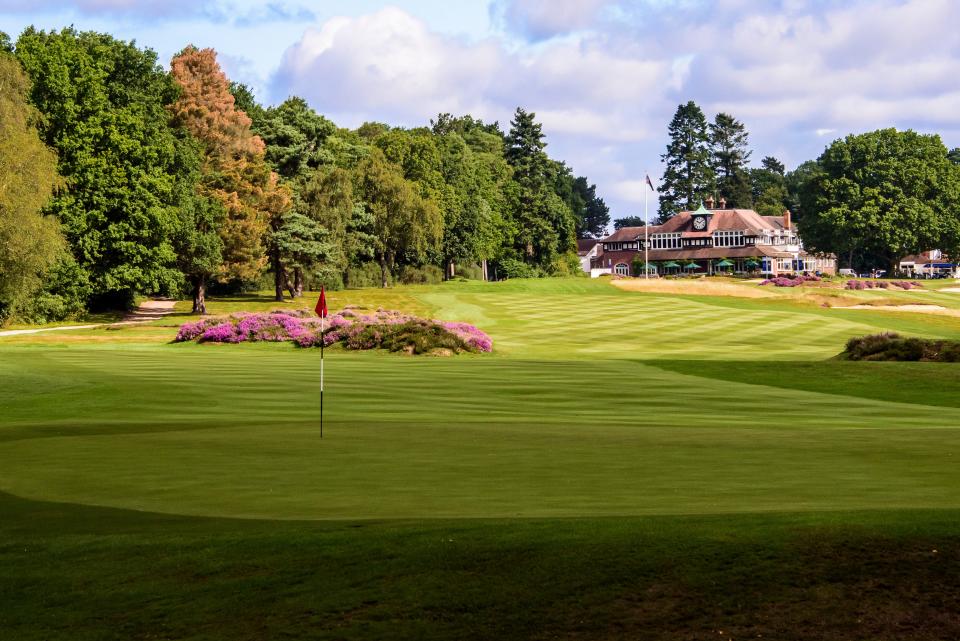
<point>604,76</point>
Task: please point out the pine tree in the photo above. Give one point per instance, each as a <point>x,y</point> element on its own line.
<point>525,151</point>
<point>688,177</point>
<point>729,156</point>
<point>544,225</point>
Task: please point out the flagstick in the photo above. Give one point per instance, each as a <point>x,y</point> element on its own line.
<point>321,375</point>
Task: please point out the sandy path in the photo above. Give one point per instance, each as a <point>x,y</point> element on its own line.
<point>149,310</point>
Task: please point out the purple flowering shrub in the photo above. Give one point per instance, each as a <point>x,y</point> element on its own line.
<point>881,284</point>
<point>784,281</point>
<point>383,329</point>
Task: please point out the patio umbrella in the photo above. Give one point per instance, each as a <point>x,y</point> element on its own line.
<point>753,261</point>
<point>691,265</point>
<point>670,264</point>
<point>725,263</point>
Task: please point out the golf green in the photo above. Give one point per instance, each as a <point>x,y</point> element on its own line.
<point>596,403</point>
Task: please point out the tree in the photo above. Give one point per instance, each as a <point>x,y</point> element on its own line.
<point>233,171</point>
<point>729,156</point>
<point>544,225</point>
<point>245,101</point>
<point>403,222</point>
<point>887,193</point>
<point>294,135</point>
<point>769,187</point>
<point>104,112</point>
<point>688,176</point>
<point>30,242</point>
<point>629,221</point>
<point>328,199</point>
<point>595,216</point>
<point>954,155</point>
<point>797,183</point>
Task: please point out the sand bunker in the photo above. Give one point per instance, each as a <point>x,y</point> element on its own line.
<point>691,287</point>
<point>920,309</point>
<point>955,290</point>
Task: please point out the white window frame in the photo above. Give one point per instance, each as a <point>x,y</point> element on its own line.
<point>672,240</point>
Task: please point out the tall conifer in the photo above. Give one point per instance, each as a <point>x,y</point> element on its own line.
<point>688,176</point>
<point>730,154</point>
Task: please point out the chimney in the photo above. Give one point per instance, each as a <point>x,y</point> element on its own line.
<point>709,202</point>
<point>723,202</point>
<point>786,219</point>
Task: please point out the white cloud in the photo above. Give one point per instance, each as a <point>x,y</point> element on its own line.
<point>796,72</point>
<point>388,64</point>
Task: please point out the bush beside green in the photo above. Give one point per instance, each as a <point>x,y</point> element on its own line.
<point>893,347</point>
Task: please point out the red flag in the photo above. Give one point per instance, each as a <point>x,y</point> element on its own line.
<point>321,308</point>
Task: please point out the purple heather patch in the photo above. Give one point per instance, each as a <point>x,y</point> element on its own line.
<point>347,327</point>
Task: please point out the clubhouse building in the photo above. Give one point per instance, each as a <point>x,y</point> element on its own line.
<point>711,241</point>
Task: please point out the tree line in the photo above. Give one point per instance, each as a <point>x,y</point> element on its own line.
<point>870,199</point>
<point>118,177</point>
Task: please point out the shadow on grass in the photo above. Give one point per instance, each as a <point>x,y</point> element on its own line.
<point>105,573</point>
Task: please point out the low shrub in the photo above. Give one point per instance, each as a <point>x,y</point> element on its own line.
<point>425,275</point>
<point>365,275</point>
<point>881,284</point>
<point>470,272</point>
<point>893,347</point>
<point>513,268</point>
<point>383,329</point>
<point>784,281</point>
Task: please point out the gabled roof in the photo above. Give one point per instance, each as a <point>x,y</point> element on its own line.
<point>584,245</point>
<point>721,220</point>
<point>624,234</point>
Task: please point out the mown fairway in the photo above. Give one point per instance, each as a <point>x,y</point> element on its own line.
<point>747,470</point>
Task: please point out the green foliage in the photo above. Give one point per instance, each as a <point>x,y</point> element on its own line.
<point>688,176</point>
<point>366,274</point>
<point>893,347</point>
<point>887,192</point>
<point>30,242</point>
<point>513,268</point>
<point>729,154</point>
<point>425,275</point>
<point>304,242</point>
<point>104,111</point>
<point>295,136</point>
<point>403,221</point>
<point>769,188</point>
<point>544,227</point>
<point>65,294</point>
<point>629,221</point>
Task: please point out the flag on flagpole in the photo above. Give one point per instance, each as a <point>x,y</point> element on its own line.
<point>650,183</point>
<point>321,308</point>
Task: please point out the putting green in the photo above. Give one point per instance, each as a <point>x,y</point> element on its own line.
<point>572,415</point>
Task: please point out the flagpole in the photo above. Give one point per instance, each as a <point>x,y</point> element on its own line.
<point>646,231</point>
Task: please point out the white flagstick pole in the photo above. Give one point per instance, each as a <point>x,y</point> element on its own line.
<point>321,371</point>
